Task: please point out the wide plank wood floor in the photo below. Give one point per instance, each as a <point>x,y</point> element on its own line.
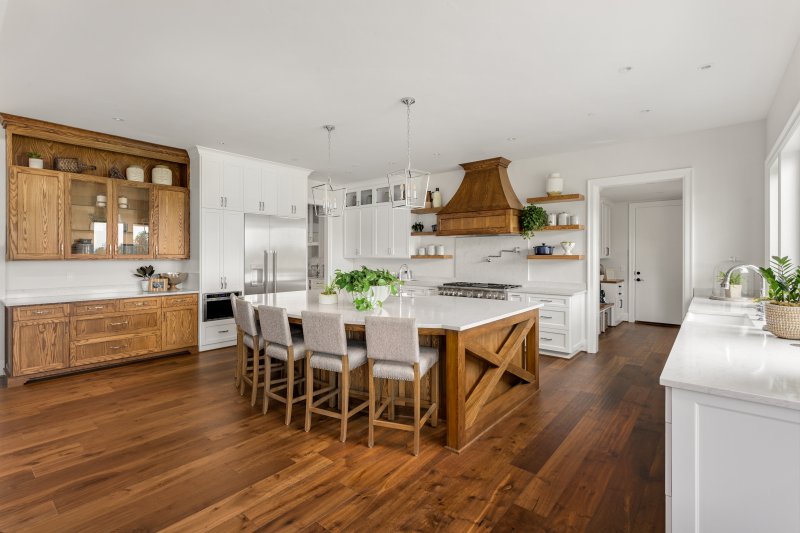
<point>169,445</point>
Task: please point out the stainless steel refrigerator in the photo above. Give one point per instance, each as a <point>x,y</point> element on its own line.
<point>274,254</point>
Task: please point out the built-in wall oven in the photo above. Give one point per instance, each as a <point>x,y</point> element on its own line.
<point>217,305</point>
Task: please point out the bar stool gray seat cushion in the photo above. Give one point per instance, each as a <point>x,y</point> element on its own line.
<point>405,371</point>
<point>248,341</point>
<point>356,356</point>
<point>279,351</point>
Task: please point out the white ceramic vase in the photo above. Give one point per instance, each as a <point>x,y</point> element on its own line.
<point>567,246</point>
<point>328,299</point>
<point>144,284</point>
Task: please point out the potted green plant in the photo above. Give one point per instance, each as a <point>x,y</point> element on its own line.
<point>531,219</point>
<point>735,290</point>
<point>417,227</point>
<point>35,160</point>
<point>144,273</point>
<point>329,295</point>
<point>367,287</point>
<point>782,305</point>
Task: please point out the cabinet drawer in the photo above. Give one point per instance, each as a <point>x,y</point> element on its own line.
<point>139,304</point>
<point>553,340</point>
<point>107,326</point>
<point>214,333</point>
<point>549,301</point>
<point>553,317</point>
<point>87,352</point>
<point>186,300</point>
<point>94,308</point>
<point>36,312</point>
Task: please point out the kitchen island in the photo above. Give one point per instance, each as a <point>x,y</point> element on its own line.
<point>489,351</point>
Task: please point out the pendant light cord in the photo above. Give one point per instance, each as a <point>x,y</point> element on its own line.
<point>408,134</point>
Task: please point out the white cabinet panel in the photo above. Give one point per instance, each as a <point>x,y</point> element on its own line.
<point>300,195</point>
<point>211,185</point>
<point>269,191</point>
<point>383,231</point>
<point>232,176</point>
<point>233,251</point>
<point>367,232</point>
<point>562,331</point>
<point>211,245</point>
<point>252,185</point>
<point>352,233</point>
<point>292,198</point>
<point>401,233</point>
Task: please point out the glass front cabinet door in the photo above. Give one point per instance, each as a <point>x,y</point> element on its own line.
<point>88,235</point>
<point>132,211</point>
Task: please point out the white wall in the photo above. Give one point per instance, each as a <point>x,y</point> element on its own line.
<point>786,99</point>
<point>728,202</point>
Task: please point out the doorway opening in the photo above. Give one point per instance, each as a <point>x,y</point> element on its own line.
<point>640,236</point>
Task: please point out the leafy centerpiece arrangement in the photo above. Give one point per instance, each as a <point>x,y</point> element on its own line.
<point>367,287</point>
<point>531,219</point>
<point>782,306</point>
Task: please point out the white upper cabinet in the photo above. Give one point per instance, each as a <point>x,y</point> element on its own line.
<point>372,227</point>
<point>401,232</point>
<point>269,191</point>
<point>253,190</point>
<point>352,233</point>
<point>383,230</point>
<point>211,172</point>
<point>368,244</point>
<point>292,197</point>
<point>232,176</point>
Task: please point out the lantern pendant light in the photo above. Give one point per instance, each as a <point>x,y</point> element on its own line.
<point>328,200</point>
<point>409,186</point>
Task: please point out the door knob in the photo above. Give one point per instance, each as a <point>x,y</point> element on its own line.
<point>638,279</point>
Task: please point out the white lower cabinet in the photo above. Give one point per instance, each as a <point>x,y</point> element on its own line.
<point>561,322</point>
<point>732,465</point>
<point>218,332</point>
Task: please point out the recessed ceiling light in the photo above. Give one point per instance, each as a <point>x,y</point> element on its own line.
<point>118,119</point>
<point>625,69</point>
<point>221,142</point>
<point>589,114</point>
<point>392,162</point>
<point>295,159</point>
<point>645,110</point>
<point>437,154</point>
<point>707,66</point>
<point>511,139</point>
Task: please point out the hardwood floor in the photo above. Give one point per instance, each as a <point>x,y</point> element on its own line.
<point>168,444</point>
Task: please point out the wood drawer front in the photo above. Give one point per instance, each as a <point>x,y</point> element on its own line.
<point>186,300</point>
<point>84,353</point>
<point>39,312</point>
<point>553,340</point>
<point>139,304</point>
<point>213,333</point>
<point>553,317</point>
<point>107,326</point>
<point>94,308</point>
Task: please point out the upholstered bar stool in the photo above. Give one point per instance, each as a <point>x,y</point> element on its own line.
<point>394,353</point>
<point>283,346</point>
<point>327,348</point>
<point>247,331</point>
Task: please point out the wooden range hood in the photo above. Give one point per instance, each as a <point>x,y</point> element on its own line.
<point>485,203</point>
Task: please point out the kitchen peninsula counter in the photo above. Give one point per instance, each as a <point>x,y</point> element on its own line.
<point>488,351</point>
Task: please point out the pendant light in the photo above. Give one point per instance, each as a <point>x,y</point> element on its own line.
<point>409,186</point>
<point>328,200</point>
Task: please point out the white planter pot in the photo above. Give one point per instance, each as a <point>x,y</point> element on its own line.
<point>144,284</point>
<point>734,292</point>
<point>35,163</point>
<point>328,299</point>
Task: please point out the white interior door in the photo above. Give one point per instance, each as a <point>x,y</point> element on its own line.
<point>657,253</point>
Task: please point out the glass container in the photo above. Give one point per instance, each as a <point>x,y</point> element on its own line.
<point>747,288</point>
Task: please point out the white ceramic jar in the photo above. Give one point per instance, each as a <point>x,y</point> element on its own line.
<point>431,249</point>
<point>555,184</point>
<point>161,175</point>
<point>563,219</point>
<point>134,173</point>
<point>439,249</point>
<point>421,251</point>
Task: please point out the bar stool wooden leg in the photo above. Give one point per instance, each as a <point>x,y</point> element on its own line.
<point>289,383</point>
<point>243,369</point>
<point>309,390</point>
<point>416,408</point>
<point>345,394</point>
<point>256,357</point>
<point>390,385</point>
<point>435,394</point>
<point>371,439</point>
<point>267,379</point>
<point>238,368</point>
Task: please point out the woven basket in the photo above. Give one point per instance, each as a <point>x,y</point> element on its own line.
<point>783,320</point>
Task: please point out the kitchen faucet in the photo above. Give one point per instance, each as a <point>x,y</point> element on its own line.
<point>726,284</point>
<point>404,269</point>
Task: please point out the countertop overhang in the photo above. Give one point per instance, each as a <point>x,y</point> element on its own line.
<point>44,299</point>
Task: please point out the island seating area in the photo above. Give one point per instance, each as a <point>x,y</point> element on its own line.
<point>488,354</point>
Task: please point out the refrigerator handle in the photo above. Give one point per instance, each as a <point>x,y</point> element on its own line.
<point>266,271</point>
<point>275,271</point>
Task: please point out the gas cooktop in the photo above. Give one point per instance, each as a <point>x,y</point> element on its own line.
<point>492,286</point>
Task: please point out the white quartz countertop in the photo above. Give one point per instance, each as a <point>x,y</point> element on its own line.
<point>41,299</point>
<point>439,312</point>
<point>722,349</point>
<point>531,287</point>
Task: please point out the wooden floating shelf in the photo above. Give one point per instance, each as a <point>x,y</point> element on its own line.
<point>431,257</point>
<point>426,210</point>
<point>563,228</point>
<point>423,233</point>
<point>554,199</point>
<point>562,257</point>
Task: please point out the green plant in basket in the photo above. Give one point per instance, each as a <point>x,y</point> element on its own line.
<point>359,284</point>
<point>783,280</point>
<point>531,219</point>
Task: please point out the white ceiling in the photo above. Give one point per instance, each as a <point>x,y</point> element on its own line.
<point>263,76</point>
<point>649,192</point>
